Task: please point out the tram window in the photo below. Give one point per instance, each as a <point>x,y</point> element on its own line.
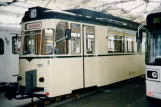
<point>115,44</point>
<point>61,44</point>
<point>129,44</point>
<point>47,41</point>
<point>1,47</point>
<point>75,39</point>
<point>111,47</point>
<point>16,44</point>
<point>90,39</point>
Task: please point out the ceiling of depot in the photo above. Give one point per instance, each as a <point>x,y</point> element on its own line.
<point>135,10</point>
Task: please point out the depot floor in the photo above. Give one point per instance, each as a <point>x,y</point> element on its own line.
<point>128,94</point>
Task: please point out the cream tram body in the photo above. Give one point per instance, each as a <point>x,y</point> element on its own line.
<point>84,61</point>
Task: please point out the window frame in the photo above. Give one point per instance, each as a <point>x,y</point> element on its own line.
<point>67,50</point>
<point>43,43</point>
<point>13,45</point>
<point>79,38</point>
<point>114,45</point>
<point>132,47</point>
<point>26,35</point>
<point>93,39</point>
<point>1,40</point>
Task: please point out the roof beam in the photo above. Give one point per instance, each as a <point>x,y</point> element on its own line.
<point>7,3</point>
<point>109,5</point>
<point>47,3</point>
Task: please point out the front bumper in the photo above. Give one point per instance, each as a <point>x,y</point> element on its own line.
<point>153,89</point>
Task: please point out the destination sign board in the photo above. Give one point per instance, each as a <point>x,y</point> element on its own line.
<point>35,25</point>
<point>154,20</point>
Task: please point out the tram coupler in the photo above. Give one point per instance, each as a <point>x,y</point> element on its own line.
<point>15,91</point>
<point>11,90</point>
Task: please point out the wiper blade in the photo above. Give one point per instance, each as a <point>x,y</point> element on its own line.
<point>158,57</point>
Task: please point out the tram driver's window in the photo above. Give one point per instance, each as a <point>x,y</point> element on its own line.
<point>16,41</point>
<point>75,39</point>
<point>90,39</point>
<point>1,46</point>
<point>47,41</point>
<point>61,45</point>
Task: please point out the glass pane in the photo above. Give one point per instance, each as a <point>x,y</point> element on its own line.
<point>90,39</point>
<point>129,44</point>
<point>111,46</point>
<point>157,45</point>
<point>115,44</point>
<point>153,46</point>
<point>61,45</point>
<point>149,48</point>
<point>16,41</point>
<point>119,43</point>
<point>32,42</point>
<point>75,39</point>
<point>47,41</point>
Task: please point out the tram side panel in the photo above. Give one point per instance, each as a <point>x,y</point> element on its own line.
<point>115,67</point>
<point>101,46</point>
<point>67,75</point>
<point>111,68</point>
<point>138,60</point>
<point>136,66</point>
<point>5,74</point>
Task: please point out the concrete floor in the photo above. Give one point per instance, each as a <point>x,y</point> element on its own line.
<point>14,103</point>
<point>129,94</point>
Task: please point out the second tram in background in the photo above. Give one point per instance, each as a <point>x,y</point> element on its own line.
<point>64,51</point>
<point>9,53</point>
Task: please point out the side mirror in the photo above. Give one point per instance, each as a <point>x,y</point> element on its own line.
<point>139,37</point>
<point>67,34</point>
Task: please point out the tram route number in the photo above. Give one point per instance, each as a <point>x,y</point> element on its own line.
<point>39,65</point>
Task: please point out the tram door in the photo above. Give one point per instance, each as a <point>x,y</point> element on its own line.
<point>14,55</point>
<point>89,59</point>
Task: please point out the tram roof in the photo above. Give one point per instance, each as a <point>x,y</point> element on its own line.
<point>10,28</point>
<point>81,15</point>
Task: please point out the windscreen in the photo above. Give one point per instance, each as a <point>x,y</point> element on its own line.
<point>38,42</point>
<point>157,45</point>
<point>153,49</point>
<point>32,42</point>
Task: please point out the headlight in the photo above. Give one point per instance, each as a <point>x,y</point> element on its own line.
<point>19,78</point>
<point>152,74</point>
<point>41,79</point>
